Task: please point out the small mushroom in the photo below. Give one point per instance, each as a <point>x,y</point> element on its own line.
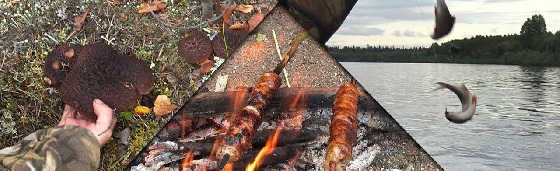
<point>195,47</point>
<point>233,39</point>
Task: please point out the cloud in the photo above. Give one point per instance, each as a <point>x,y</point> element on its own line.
<point>494,1</point>
<point>379,4</point>
<point>359,31</point>
<point>397,33</point>
<point>408,33</point>
<point>395,22</point>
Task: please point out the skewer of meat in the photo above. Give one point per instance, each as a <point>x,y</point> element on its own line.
<point>343,128</point>
<point>244,124</point>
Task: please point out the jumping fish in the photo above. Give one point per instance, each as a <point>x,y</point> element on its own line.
<point>468,102</point>
<point>444,20</point>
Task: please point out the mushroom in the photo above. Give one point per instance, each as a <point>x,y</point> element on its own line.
<point>98,71</point>
<point>233,39</point>
<point>195,47</point>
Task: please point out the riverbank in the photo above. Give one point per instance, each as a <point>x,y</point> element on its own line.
<point>527,49</point>
<point>522,58</point>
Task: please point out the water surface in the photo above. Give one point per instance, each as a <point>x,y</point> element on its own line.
<point>518,121</point>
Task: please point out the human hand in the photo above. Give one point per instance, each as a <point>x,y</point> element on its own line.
<point>102,128</point>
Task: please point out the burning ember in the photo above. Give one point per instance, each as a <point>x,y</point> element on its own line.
<point>265,151</point>
<point>228,167</point>
<point>189,157</point>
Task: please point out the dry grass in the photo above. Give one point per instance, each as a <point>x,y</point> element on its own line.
<point>30,29</point>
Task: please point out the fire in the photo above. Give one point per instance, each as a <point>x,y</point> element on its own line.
<point>228,167</point>
<point>296,108</point>
<point>298,99</point>
<point>189,157</point>
<point>237,100</point>
<point>265,151</point>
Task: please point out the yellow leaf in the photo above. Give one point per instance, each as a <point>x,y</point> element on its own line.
<point>154,6</point>
<point>244,8</point>
<point>141,110</point>
<point>238,26</point>
<point>163,106</point>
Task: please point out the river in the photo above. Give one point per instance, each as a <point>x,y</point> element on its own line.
<point>517,126</point>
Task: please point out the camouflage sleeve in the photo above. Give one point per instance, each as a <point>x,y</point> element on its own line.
<point>58,148</point>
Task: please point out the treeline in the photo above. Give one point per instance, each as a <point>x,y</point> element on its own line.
<point>534,46</point>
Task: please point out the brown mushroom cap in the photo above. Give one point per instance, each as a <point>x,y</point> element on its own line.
<point>234,39</point>
<point>195,47</point>
<point>100,72</point>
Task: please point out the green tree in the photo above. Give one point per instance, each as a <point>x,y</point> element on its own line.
<point>533,29</point>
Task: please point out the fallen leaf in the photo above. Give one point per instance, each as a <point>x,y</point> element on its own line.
<point>154,6</point>
<point>163,106</point>
<point>244,8</point>
<point>227,14</point>
<point>141,110</point>
<point>206,66</point>
<point>238,26</point>
<point>126,115</point>
<point>79,21</point>
<point>255,20</point>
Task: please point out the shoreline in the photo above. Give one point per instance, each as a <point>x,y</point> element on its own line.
<point>433,62</point>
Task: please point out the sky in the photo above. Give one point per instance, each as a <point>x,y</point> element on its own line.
<point>408,23</point>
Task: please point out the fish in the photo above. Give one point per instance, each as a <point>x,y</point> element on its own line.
<point>468,102</point>
<point>444,20</point>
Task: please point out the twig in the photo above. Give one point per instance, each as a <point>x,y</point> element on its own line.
<point>224,39</point>
<point>280,56</point>
<point>293,47</point>
<point>202,24</point>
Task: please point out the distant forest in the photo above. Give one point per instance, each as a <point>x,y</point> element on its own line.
<point>534,46</point>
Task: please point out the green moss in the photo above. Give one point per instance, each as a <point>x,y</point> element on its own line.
<point>142,133</point>
<point>29,30</point>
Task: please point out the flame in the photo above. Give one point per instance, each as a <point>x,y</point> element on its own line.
<point>298,99</point>
<point>265,151</point>
<point>293,161</point>
<point>228,167</point>
<point>237,101</point>
<point>189,157</point>
<point>295,107</point>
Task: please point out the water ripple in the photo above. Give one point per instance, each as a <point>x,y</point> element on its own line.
<point>518,121</point>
